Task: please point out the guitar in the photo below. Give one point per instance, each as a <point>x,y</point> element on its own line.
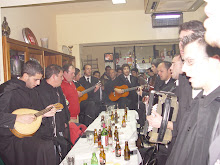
<point>114,96</point>
<point>22,130</point>
<point>85,91</point>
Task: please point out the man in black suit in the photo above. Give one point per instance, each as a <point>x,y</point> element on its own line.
<point>88,81</point>
<point>165,75</point>
<point>130,81</point>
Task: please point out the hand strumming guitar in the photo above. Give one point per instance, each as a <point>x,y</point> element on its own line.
<point>97,87</point>
<point>79,93</point>
<point>120,91</point>
<point>26,118</point>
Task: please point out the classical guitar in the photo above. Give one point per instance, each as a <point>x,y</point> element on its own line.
<point>26,130</point>
<point>114,96</point>
<point>85,91</point>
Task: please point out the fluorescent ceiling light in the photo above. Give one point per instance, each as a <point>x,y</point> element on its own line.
<point>118,1</point>
<point>166,16</point>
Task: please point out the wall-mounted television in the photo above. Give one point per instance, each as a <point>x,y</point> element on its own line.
<point>108,57</point>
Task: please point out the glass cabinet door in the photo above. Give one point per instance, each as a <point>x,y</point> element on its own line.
<point>17,59</point>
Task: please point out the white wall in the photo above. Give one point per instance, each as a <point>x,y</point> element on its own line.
<point>38,19</point>
<point>76,29</point>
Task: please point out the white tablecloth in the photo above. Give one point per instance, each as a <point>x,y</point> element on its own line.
<point>82,150</point>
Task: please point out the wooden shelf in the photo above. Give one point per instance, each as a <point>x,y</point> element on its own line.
<point>17,49</point>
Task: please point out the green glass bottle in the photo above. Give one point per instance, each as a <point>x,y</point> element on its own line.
<point>104,137</point>
<point>94,160</point>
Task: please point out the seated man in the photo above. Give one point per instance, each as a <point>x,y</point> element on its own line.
<point>20,93</point>
<point>50,92</point>
<point>130,81</point>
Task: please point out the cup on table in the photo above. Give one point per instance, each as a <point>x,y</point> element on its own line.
<point>89,137</point>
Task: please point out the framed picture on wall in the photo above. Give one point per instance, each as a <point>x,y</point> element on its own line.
<point>108,57</point>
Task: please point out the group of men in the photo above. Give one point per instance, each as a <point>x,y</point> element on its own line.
<point>194,76</point>
<point>196,130</point>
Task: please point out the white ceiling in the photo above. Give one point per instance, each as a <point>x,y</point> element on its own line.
<point>78,6</point>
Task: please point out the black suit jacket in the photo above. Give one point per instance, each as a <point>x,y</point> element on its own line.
<point>134,82</point>
<point>95,96</point>
<point>170,86</point>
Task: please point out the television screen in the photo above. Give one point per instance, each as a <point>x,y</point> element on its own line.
<point>108,57</point>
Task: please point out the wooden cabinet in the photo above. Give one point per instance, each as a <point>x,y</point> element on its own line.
<point>16,53</point>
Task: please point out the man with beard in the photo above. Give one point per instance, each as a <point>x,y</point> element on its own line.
<point>50,92</point>
<point>21,93</point>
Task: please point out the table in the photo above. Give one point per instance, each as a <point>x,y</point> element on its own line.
<point>82,150</point>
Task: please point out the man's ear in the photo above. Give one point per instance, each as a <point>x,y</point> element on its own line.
<point>25,76</point>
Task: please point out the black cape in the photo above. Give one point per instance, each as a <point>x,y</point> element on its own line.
<point>28,150</point>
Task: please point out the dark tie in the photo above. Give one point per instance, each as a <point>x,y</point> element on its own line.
<point>127,79</point>
<point>88,80</point>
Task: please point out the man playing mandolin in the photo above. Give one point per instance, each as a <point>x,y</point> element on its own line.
<point>21,93</point>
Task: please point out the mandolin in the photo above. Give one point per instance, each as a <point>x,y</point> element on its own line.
<point>114,96</point>
<point>22,130</point>
<point>85,91</point>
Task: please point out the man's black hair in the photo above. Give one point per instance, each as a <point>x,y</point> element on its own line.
<point>66,67</point>
<point>107,67</point>
<point>32,68</point>
<point>84,67</point>
<point>199,37</point>
<point>77,71</point>
<point>119,68</point>
<point>156,61</point>
<point>167,64</point>
<point>125,65</point>
<point>52,69</point>
<point>135,70</point>
<point>149,69</point>
<point>96,72</point>
<point>194,25</point>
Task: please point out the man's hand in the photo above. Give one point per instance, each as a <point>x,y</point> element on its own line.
<point>25,119</point>
<point>154,119</point>
<point>79,93</point>
<point>120,91</point>
<point>97,87</point>
<point>51,113</point>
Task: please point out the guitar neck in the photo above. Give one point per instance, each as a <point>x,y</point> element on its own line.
<point>88,90</point>
<point>43,111</point>
<point>130,89</point>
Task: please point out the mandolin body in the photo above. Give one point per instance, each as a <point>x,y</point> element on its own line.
<point>83,97</point>
<point>114,96</point>
<point>26,130</point>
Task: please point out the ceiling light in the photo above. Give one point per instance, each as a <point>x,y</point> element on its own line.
<point>118,1</point>
<point>167,16</point>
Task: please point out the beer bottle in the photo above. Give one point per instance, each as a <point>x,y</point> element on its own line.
<point>99,139</point>
<point>102,156</point>
<point>126,113</point>
<point>110,141</point>
<point>123,122</point>
<point>94,160</point>
<point>117,149</point>
<point>116,117</point>
<point>126,151</point>
<point>95,136</point>
<point>116,134</point>
<point>104,137</point>
<point>112,116</point>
